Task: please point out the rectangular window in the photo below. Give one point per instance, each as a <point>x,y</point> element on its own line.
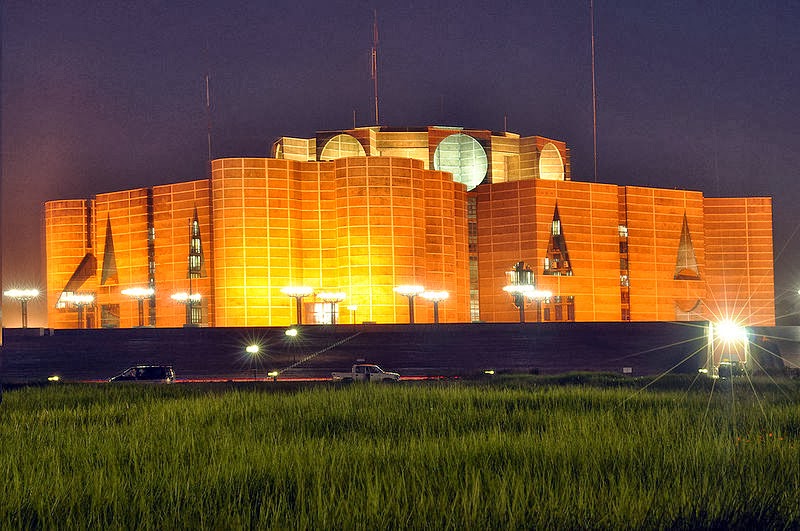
<point>559,312</point>
<point>623,231</point>
<point>547,313</point>
<point>474,306</point>
<point>570,311</point>
<point>556,227</point>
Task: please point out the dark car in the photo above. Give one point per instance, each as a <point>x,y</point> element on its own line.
<point>729,369</point>
<point>146,373</point>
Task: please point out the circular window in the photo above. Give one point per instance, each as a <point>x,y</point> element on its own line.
<point>341,146</point>
<point>462,156</point>
<point>551,167</point>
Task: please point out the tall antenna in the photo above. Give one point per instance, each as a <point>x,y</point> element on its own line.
<point>208,121</point>
<point>594,93</point>
<point>375,62</point>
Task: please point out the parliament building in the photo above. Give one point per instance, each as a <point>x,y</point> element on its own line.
<point>351,215</point>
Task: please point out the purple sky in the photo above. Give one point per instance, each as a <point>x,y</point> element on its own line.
<point>102,96</point>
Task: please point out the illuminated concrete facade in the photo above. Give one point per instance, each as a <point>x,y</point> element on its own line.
<point>361,211</point>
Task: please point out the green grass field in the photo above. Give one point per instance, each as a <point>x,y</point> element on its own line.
<point>577,451</point>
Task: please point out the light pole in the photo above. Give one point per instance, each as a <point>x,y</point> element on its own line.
<point>521,286</point>
<point>189,301</point>
<point>80,301</point>
<point>23,296</point>
<point>140,294</point>
<point>435,297</point>
<point>297,293</point>
<point>333,298</point>
<point>410,291</point>
<point>353,309</point>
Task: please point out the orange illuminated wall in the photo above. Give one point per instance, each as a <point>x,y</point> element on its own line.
<point>126,214</point>
<point>375,214</point>
<point>739,256</point>
<point>655,221</point>
<point>67,242</point>
<point>359,225</point>
<point>175,206</point>
<point>515,222</point>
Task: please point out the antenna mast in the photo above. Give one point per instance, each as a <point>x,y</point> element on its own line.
<point>208,121</point>
<point>375,62</point>
<point>594,93</point>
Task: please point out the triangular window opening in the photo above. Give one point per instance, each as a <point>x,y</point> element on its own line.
<point>196,261</point>
<point>109,273</point>
<point>686,264</point>
<point>557,262</point>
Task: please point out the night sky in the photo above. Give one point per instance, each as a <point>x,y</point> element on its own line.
<point>104,96</point>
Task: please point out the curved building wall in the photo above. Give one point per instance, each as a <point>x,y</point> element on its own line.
<point>359,225</point>
<point>396,226</point>
<point>256,229</point>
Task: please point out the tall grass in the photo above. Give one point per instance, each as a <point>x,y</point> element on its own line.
<point>518,454</point>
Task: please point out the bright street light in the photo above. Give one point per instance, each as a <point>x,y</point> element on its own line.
<point>333,298</point>
<point>297,293</point>
<point>140,294</point>
<point>435,297</point>
<point>80,301</point>
<point>729,332</point>
<point>521,286</point>
<point>410,291</point>
<point>189,301</point>
<point>23,296</point>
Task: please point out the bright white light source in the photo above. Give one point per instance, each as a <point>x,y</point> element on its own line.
<point>273,374</point>
<point>729,331</point>
<point>292,332</point>
<point>435,296</point>
<point>331,296</point>
<point>529,292</point>
<point>252,349</point>
<point>22,294</point>
<point>297,291</point>
<point>138,293</point>
<point>53,378</point>
<point>184,297</point>
<point>78,299</point>
<point>409,290</point>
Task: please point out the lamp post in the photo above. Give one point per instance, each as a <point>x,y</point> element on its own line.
<point>435,297</point>
<point>23,296</point>
<point>140,294</point>
<point>189,301</point>
<point>80,301</point>
<point>297,293</point>
<point>521,286</point>
<point>333,298</point>
<point>353,309</point>
<point>410,291</point>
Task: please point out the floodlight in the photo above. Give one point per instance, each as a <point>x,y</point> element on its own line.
<point>728,331</point>
<point>435,297</point>
<point>297,293</point>
<point>410,291</point>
